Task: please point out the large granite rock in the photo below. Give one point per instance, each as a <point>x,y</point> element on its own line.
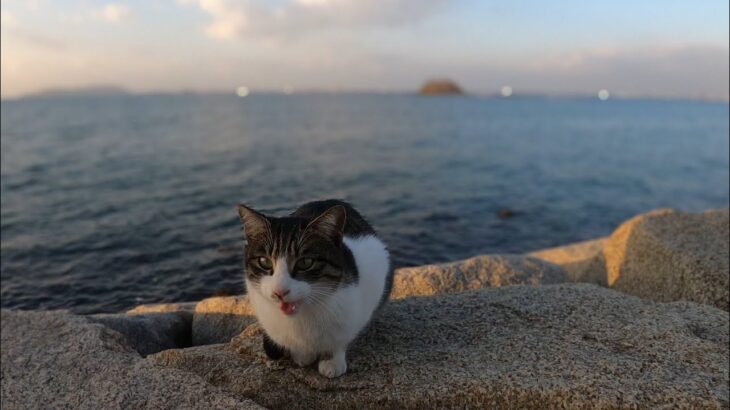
<point>475,273</point>
<point>164,308</point>
<point>212,320</point>
<point>455,345</point>
<point>667,255</point>
<point>151,332</point>
<point>219,319</point>
<point>570,345</point>
<point>52,360</point>
<point>581,261</point>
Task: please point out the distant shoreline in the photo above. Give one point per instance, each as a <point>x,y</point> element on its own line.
<point>113,92</point>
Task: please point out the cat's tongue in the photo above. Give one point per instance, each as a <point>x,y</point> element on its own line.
<point>288,308</point>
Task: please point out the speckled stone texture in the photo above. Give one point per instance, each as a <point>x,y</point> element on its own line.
<point>454,336</point>
<point>667,255</point>
<point>55,360</point>
<point>164,308</point>
<point>219,319</point>
<point>581,261</point>
<point>475,273</point>
<point>559,346</point>
<point>150,332</point>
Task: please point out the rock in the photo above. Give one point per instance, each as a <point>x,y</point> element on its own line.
<point>59,360</point>
<point>219,319</point>
<point>582,261</point>
<point>164,308</point>
<point>440,87</point>
<point>569,345</point>
<point>505,213</point>
<point>151,332</point>
<point>666,255</point>
<point>475,273</point>
<point>212,320</point>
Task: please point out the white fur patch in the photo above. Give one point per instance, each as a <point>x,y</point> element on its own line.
<point>281,281</point>
<point>324,325</point>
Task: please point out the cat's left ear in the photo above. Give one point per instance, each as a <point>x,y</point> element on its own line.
<point>331,223</point>
<point>254,223</point>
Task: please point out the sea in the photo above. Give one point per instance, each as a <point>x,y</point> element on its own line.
<point>113,201</point>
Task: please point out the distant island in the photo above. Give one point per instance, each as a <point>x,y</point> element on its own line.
<point>91,91</point>
<point>440,87</point>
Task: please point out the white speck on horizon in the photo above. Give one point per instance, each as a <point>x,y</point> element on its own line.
<point>242,91</point>
<point>603,94</point>
<point>506,91</point>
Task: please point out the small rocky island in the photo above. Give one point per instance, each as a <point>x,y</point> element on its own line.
<point>638,319</point>
<point>440,87</point>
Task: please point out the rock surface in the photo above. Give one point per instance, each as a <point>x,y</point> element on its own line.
<point>446,340</point>
<point>475,273</point>
<point>219,319</point>
<point>151,332</point>
<point>164,308</point>
<point>58,360</point>
<point>581,261</point>
<point>667,255</point>
<point>440,87</point>
<point>570,345</point>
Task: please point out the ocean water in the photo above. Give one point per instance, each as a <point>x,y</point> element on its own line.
<point>108,202</point>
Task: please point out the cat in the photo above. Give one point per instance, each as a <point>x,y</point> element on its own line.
<point>314,278</point>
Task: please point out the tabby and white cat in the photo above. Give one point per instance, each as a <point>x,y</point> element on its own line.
<point>314,279</point>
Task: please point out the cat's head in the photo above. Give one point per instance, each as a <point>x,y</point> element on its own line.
<point>292,262</point>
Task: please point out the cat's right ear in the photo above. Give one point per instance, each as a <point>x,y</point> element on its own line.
<point>254,223</point>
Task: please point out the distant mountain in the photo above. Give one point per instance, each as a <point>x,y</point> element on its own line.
<point>91,91</point>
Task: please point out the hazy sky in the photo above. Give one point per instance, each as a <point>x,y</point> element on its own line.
<point>659,48</point>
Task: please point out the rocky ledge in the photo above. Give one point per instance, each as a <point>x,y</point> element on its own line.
<point>499,331</point>
<point>663,255</point>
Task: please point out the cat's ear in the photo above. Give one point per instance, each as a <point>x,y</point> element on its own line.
<point>254,223</point>
<point>330,224</point>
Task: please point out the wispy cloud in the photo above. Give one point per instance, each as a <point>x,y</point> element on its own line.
<point>111,13</point>
<point>114,13</point>
<point>233,19</point>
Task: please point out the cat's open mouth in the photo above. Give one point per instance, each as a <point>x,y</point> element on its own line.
<point>288,308</point>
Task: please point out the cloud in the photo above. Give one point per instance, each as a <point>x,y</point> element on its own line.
<point>114,13</point>
<point>233,19</point>
<point>111,13</point>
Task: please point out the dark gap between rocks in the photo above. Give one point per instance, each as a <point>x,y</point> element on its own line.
<point>150,333</point>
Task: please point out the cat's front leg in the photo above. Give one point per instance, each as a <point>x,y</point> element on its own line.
<point>334,366</point>
<point>303,358</point>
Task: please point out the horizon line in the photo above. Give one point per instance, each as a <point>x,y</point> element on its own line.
<point>111,91</point>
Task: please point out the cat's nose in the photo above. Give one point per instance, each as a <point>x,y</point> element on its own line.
<point>279,294</point>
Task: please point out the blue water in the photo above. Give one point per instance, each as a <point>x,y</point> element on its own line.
<point>108,202</point>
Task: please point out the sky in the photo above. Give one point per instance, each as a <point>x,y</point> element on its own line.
<point>644,48</point>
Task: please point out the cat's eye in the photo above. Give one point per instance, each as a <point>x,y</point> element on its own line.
<point>265,263</point>
<point>304,264</point>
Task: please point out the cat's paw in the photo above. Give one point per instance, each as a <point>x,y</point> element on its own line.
<point>335,367</point>
<point>303,359</point>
